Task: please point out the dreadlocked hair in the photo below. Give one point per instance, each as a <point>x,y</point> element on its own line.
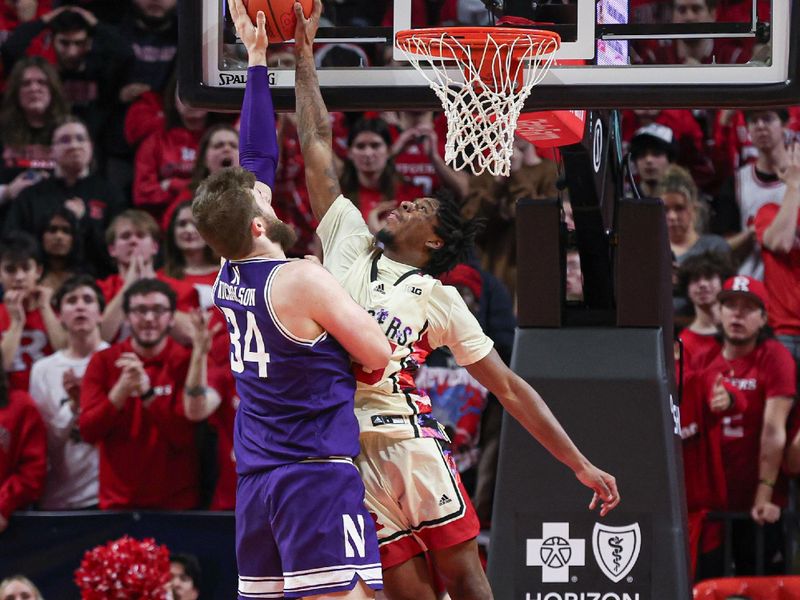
<point>457,233</point>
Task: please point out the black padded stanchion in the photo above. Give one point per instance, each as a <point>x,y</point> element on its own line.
<point>610,385</point>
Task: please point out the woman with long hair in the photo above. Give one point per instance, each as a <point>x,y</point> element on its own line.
<point>218,148</point>
<point>61,247</point>
<point>33,104</point>
<point>368,177</point>
<point>165,159</point>
<point>187,256</point>
<point>678,191</point>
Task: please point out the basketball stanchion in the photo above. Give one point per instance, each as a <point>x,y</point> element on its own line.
<point>498,67</point>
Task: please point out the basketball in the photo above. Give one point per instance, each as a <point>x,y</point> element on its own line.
<point>280,21</point>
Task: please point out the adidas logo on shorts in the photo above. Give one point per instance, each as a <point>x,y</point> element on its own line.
<point>444,500</point>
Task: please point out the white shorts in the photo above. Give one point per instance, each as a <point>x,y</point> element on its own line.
<point>415,495</point>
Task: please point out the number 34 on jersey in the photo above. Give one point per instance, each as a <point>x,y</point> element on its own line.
<point>249,350</point>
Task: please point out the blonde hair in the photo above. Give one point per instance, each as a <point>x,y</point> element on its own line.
<point>678,180</point>
<point>37,595</point>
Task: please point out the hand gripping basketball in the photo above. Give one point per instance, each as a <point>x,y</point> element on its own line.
<point>253,33</point>
<point>280,19</point>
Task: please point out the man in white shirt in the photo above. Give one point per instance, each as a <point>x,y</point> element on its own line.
<point>55,387</point>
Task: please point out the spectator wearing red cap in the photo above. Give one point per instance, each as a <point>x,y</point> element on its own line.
<point>778,232</point>
<point>753,441</point>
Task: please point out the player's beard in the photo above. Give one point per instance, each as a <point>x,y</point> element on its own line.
<point>386,238</point>
<point>280,233</point>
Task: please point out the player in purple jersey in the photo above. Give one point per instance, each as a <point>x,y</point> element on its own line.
<point>302,530</point>
<point>420,238</point>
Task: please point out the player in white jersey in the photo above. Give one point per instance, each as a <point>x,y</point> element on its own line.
<point>413,489</point>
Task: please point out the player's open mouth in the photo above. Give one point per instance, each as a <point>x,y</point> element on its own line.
<point>227,162</point>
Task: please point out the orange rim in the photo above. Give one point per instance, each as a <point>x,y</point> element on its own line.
<point>475,38</point>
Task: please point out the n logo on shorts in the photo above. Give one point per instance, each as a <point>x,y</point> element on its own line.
<point>354,540</point>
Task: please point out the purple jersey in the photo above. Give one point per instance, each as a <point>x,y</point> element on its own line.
<point>296,395</point>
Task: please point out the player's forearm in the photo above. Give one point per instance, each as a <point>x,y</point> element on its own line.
<point>313,120</point>
<point>458,181</point>
<point>12,337</point>
<point>199,401</point>
<point>782,232</point>
<point>527,406</point>
<point>314,129</point>
<point>258,150</point>
<point>773,440</point>
<point>112,319</point>
<point>55,331</point>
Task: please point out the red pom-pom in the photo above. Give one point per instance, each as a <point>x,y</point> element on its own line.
<point>125,569</point>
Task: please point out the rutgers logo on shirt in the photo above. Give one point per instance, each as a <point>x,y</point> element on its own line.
<point>31,348</point>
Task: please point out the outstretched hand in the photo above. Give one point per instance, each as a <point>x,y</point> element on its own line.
<point>604,485</point>
<point>790,172</point>
<point>254,37</point>
<point>306,28</point>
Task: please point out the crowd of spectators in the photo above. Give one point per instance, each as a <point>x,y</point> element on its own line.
<point>114,359</point>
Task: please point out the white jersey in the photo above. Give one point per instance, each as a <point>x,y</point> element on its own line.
<point>751,194</point>
<point>417,313</point>
<point>71,463</point>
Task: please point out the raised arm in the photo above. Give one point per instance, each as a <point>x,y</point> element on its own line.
<point>258,146</point>
<point>527,407</point>
<point>313,121</point>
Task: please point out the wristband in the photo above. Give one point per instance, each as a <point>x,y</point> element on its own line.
<point>148,394</point>
<point>767,482</point>
<point>197,390</point>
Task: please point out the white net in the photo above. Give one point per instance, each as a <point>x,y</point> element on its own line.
<point>483,105</point>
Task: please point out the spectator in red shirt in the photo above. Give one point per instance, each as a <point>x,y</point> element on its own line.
<point>695,51</point>
<point>23,451</point>
<point>132,240</point>
<point>778,232</point>
<point>165,159</point>
<point>132,406</point>
<point>369,177</point>
<point>33,104</point>
<point>218,149</point>
<point>700,279</point>
<point>706,400</point>
<point>418,155</point>
<point>753,441</point>
<point>222,420</point>
<point>30,329</point>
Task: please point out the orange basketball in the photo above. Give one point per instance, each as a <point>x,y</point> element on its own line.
<point>280,16</point>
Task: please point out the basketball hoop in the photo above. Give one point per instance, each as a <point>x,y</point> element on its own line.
<point>500,66</point>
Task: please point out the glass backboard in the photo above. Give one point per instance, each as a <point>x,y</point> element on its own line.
<point>614,53</point>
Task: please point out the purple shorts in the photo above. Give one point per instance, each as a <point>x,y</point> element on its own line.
<point>302,529</point>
